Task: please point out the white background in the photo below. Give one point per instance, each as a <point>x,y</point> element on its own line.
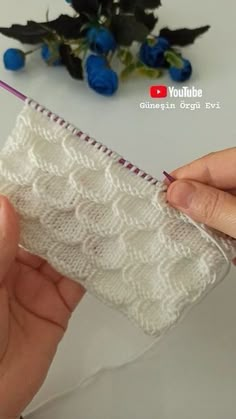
<point>191,373</point>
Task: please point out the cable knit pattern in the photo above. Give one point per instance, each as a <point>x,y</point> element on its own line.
<point>104,225</point>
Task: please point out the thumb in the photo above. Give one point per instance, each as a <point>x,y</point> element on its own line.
<point>205,204</point>
<point>9,236</point>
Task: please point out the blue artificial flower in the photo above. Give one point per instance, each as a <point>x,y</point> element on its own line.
<point>101,40</point>
<point>104,81</point>
<point>154,55</point>
<point>46,55</point>
<point>181,74</point>
<point>14,59</point>
<point>94,62</point>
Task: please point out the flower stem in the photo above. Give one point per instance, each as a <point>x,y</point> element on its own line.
<point>32,51</point>
<point>110,57</point>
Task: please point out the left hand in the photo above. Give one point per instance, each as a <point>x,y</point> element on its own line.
<point>36,304</point>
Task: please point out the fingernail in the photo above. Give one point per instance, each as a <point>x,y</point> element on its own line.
<point>181,194</point>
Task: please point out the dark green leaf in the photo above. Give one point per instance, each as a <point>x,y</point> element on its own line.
<point>72,63</point>
<point>92,7</point>
<point>86,6</point>
<point>127,5</point>
<point>149,4</point>
<point>131,5</point>
<point>183,37</point>
<point>106,4</point>
<point>67,26</point>
<point>35,33</point>
<point>31,33</point>
<point>148,19</point>
<point>126,30</point>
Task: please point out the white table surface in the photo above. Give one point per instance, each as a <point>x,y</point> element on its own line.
<point>191,373</point>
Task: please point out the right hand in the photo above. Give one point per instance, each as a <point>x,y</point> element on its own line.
<point>205,190</point>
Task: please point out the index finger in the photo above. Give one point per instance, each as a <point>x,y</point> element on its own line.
<point>215,169</point>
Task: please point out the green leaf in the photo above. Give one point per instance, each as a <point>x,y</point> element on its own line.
<point>151,73</point>
<point>52,60</point>
<point>125,56</point>
<point>151,41</point>
<point>128,71</point>
<point>140,69</point>
<point>81,47</point>
<point>86,26</point>
<point>174,59</point>
<point>80,50</point>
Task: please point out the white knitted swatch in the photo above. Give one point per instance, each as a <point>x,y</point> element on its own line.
<point>106,226</point>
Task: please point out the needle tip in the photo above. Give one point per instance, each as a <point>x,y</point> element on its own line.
<point>12,90</point>
<point>169,177</point>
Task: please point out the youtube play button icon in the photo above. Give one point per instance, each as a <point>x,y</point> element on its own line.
<point>158,92</point>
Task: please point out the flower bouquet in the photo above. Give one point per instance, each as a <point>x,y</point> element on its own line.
<point>101,33</point>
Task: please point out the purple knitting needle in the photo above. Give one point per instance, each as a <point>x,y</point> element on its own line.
<point>12,90</point>
<point>169,177</point>
<point>23,97</point>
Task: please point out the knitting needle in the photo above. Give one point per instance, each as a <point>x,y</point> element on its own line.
<point>23,97</point>
<point>12,90</point>
<point>169,177</point>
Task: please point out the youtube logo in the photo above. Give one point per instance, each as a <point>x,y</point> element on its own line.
<point>158,92</point>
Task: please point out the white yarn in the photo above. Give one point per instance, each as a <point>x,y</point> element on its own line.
<point>87,381</point>
<point>106,226</point>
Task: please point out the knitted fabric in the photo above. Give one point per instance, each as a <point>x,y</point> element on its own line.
<point>105,226</point>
